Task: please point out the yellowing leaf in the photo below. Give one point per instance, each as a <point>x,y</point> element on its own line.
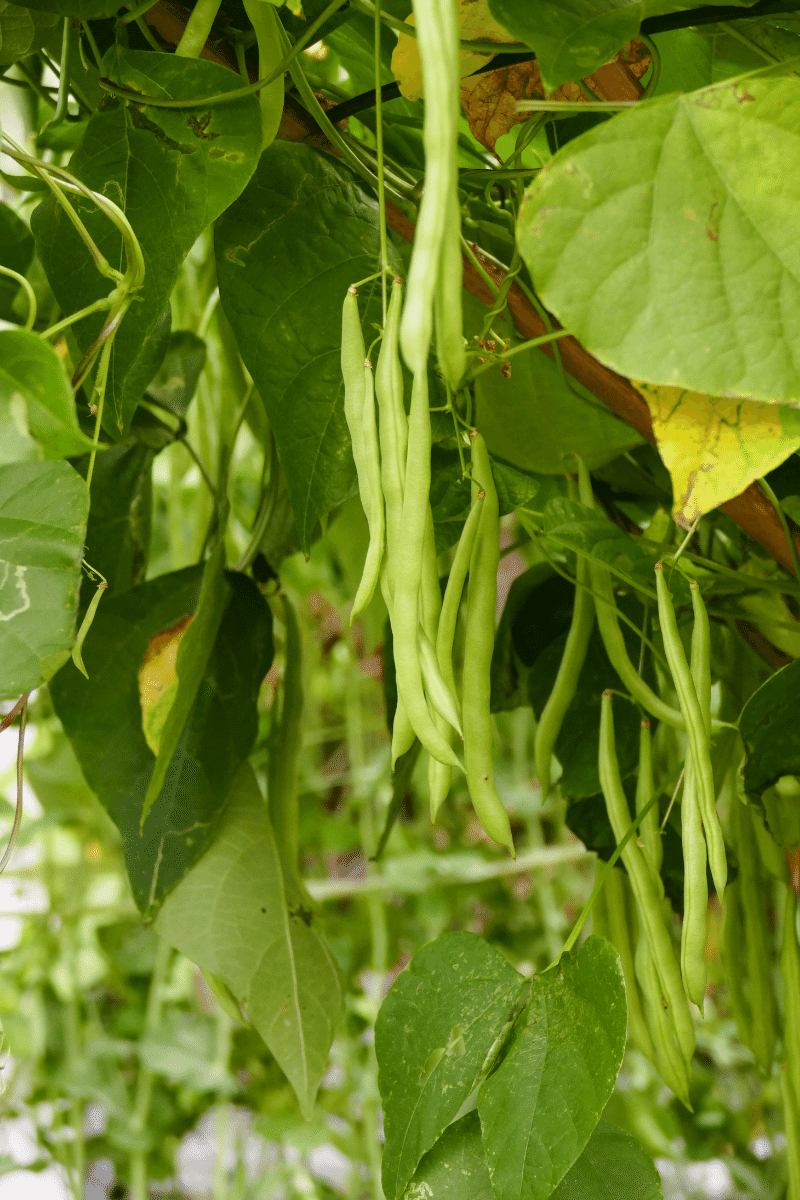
<point>714,447</point>
<point>158,681</point>
<point>475,21</point>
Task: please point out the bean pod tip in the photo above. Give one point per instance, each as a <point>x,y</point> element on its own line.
<point>352,290</point>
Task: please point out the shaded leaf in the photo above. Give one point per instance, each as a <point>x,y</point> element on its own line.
<point>22,30</point>
<point>16,251</point>
<point>455,1168</point>
<point>714,448</point>
<point>82,9</point>
<point>173,171</point>
<point>118,533</point>
<point>435,1030</point>
<point>612,1167</point>
<point>650,216</point>
<point>539,1108</point>
<point>232,916</point>
<point>534,422</point>
<point>43,511</point>
<point>179,373</point>
<point>35,388</point>
<point>103,720</point>
<point>770,729</point>
<point>287,251</point>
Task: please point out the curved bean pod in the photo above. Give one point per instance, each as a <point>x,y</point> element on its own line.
<point>371,497</point>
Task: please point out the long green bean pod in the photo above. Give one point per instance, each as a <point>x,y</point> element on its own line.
<point>436,688</point>
<point>440,134</point>
<point>441,700</point>
<point>694,931</point>
<point>453,592</point>
<point>566,682</point>
<point>700,669</point>
<point>733,937</point>
<point>696,728</point>
<point>648,901</point>
<point>392,427</point>
<point>650,828</point>
<point>613,919</point>
<point>481,602</point>
<point>751,949</point>
<point>447,297</point>
<point>668,1058</point>
<point>267,27</point>
<point>406,600</point>
<point>284,746</point>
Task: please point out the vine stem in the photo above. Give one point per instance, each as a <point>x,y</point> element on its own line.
<point>21,708</point>
<point>29,292</point>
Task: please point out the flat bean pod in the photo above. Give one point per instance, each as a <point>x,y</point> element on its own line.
<point>650,828</point>
<point>371,496</point>
<point>700,668</point>
<point>392,426</point>
<point>694,932</point>
<point>454,590</point>
<point>481,602</point>
<point>612,918</point>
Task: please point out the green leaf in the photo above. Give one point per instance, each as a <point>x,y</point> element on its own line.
<point>233,917</point>
<point>301,233</point>
<point>33,377</point>
<point>118,534</point>
<point>176,382</point>
<point>537,610</point>
<point>612,1167</point>
<point>22,31</point>
<point>534,422</point>
<point>572,38</point>
<point>193,655</point>
<point>635,253</point>
<point>16,251</point>
<point>173,171</point>
<point>43,511</point>
<point>83,9</point>
<point>539,1108</point>
<point>455,1169</point>
<point>770,729</point>
<point>103,720</point>
<point>686,59</point>
<point>435,1030</point>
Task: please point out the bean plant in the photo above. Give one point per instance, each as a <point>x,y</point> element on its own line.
<point>400,597</point>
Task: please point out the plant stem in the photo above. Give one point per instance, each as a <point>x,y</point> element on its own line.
<point>62,103</point>
<point>198,29</point>
<point>29,292</point>
<point>99,306</point>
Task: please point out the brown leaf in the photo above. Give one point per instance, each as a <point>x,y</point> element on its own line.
<point>490,101</point>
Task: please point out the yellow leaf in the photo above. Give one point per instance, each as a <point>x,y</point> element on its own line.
<point>475,21</point>
<point>714,447</point>
<point>158,680</point>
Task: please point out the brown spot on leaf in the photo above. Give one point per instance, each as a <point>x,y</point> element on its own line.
<point>199,125</point>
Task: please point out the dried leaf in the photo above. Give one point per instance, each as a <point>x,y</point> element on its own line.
<point>475,21</point>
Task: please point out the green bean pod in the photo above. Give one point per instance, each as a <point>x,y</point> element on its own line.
<point>613,919</point>
<point>648,901</point>
<point>438,693</point>
<point>447,300</point>
<point>453,592</point>
<point>406,601</point>
<point>790,971</point>
<point>435,33</point>
<point>752,948</point>
<point>267,27</point>
<point>392,426</point>
<point>481,603</point>
<point>733,938</point>
<point>700,667</point>
<point>650,827</point>
<point>566,682</point>
<point>694,932</point>
<point>371,498</point>
<point>697,730</point>
<point>668,1058</point>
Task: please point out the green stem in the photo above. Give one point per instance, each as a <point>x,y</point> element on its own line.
<point>542,340</point>
<point>775,502</point>
<point>198,29</point>
<point>147,34</point>
<point>29,292</point>
<point>103,305</point>
<point>655,72</point>
<point>62,103</point>
<point>139,10</point>
<point>98,58</point>
<point>379,150</point>
<point>139,1184</point>
<point>100,396</point>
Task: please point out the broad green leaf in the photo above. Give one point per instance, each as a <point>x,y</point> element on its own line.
<point>22,30</point>
<point>16,251</point>
<point>232,916</point>
<point>193,655</point>
<point>450,493</point>
<point>435,1031</point>
<point>118,533</point>
<point>537,610</point>
<point>173,171</point>
<point>455,1169</point>
<point>103,720</point>
<point>612,1167</point>
<point>572,38</point>
<point>636,230</point>
<point>533,421</point>
<point>759,41</point>
<point>770,729</point>
<point>287,251</point>
<point>539,1108</point>
<point>178,376</point>
<point>714,448</point>
<point>82,9</point>
<point>35,389</point>
<point>43,511</point>
<point>686,60</point>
